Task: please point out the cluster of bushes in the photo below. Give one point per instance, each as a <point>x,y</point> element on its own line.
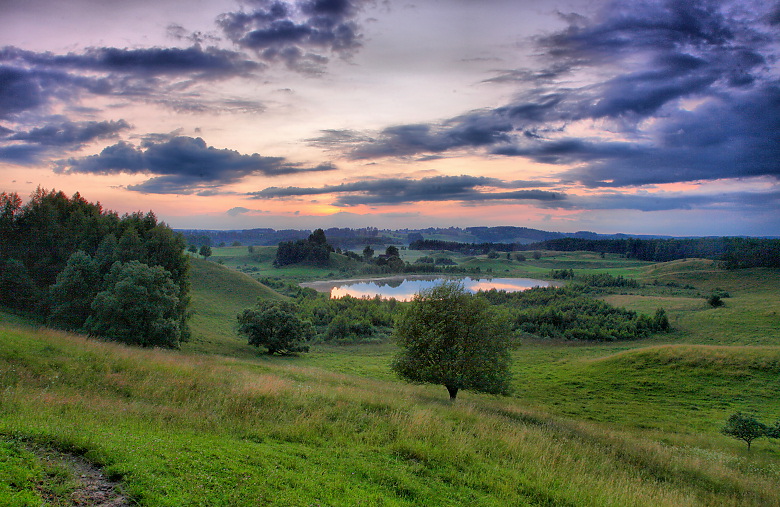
<point>287,327</point>
<point>568,313</point>
<point>607,280</point>
<point>562,274</point>
<point>84,269</point>
<point>349,319</point>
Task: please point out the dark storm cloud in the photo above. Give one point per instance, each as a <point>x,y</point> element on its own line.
<point>71,134</point>
<point>23,89</point>
<point>299,34</point>
<point>468,131</point>
<point>399,190</point>
<point>732,137</point>
<point>774,17</point>
<point>22,154</point>
<point>681,90</point>
<point>32,81</point>
<point>181,165</point>
<point>33,146</point>
<point>208,63</point>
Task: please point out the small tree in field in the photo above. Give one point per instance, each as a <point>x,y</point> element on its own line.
<point>205,251</point>
<point>452,338</point>
<point>276,326</point>
<point>744,427</point>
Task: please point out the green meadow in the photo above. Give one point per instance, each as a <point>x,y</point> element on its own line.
<point>217,423</point>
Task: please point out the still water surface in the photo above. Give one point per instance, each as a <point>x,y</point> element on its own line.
<point>403,288</point>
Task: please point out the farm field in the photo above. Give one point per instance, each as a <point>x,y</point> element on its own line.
<point>215,423</point>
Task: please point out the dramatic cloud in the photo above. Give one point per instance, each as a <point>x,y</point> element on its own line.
<point>31,81</point>
<point>181,165</point>
<point>468,131</point>
<point>398,190</point>
<point>642,93</point>
<point>209,63</point>
<point>300,34</point>
<point>27,148</point>
<point>69,133</point>
<point>23,89</point>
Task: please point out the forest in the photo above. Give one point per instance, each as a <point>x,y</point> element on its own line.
<point>78,267</point>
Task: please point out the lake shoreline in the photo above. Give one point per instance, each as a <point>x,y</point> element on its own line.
<point>393,286</point>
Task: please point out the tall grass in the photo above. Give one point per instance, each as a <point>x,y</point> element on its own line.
<point>179,429</point>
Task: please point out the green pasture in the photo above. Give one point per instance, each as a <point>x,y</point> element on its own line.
<point>217,423</point>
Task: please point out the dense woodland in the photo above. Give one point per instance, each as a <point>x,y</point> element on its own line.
<point>82,268</point>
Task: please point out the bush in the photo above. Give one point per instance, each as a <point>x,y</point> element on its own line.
<point>276,326</point>
<point>569,313</point>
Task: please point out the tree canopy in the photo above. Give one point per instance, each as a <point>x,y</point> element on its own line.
<point>139,306</point>
<point>450,337</point>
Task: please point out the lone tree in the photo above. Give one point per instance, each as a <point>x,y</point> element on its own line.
<point>745,427</point>
<point>453,338</point>
<point>205,251</point>
<point>276,326</point>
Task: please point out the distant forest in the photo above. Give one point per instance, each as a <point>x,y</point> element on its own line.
<point>734,253</point>
<point>356,239</point>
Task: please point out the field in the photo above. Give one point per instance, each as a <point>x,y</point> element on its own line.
<point>625,423</point>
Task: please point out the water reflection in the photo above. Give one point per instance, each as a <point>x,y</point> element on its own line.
<point>403,289</point>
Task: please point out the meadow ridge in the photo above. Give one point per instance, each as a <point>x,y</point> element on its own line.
<point>216,423</point>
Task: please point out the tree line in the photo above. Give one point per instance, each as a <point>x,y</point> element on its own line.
<point>733,252</point>
<point>81,268</point>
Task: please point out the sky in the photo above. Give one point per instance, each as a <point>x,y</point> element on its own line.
<point>643,117</point>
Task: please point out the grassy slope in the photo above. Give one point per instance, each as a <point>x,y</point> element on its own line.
<point>181,429</point>
<point>218,295</point>
<point>614,424</point>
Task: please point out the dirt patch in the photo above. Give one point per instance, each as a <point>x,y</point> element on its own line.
<point>92,487</point>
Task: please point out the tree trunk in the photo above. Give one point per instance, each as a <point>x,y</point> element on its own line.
<point>453,392</point>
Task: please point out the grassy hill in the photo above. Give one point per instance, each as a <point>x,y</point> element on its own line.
<point>218,295</point>
<point>182,429</point>
<point>627,423</point>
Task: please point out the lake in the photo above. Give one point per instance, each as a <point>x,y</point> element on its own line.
<point>403,288</point>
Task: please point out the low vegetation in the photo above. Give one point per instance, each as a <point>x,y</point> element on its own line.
<point>207,430</point>
<point>568,313</point>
